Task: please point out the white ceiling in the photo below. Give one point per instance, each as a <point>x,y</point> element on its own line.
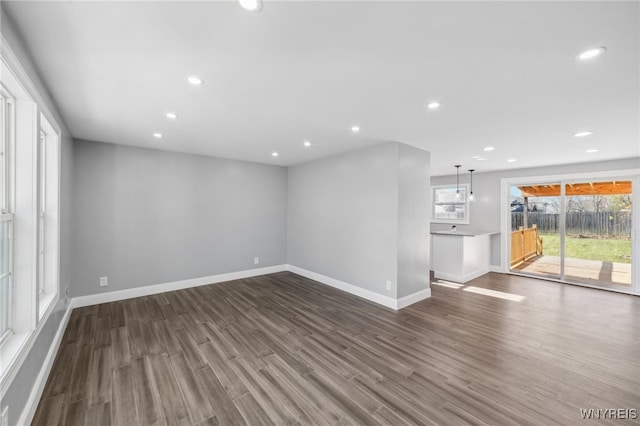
<point>505,72</point>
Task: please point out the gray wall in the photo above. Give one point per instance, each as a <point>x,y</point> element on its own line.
<point>146,217</point>
<point>485,211</point>
<point>350,217</point>
<point>343,216</point>
<point>21,387</point>
<point>414,202</point>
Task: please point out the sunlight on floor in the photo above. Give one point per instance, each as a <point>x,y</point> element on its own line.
<point>479,290</point>
<point>495,293</point>
<point>447,284</point>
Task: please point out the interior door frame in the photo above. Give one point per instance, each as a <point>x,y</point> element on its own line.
<point>505,218</point>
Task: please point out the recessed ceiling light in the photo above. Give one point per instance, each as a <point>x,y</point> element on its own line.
<point>511,160</point>
<point>582,134</point>
<point>196,81</point>
<point>355,129</point>
<point>481,159</point>
<point>252,5</point>
<point>591,151</point>
<point>171,115</point>
<point>591,53</point>
<point>489,148</point>
<point>157,135</point>
<point>433,105</point>
<point>307,144</point>
<point>274,154</point>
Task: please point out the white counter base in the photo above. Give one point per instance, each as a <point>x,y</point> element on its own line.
<point>460,258</point>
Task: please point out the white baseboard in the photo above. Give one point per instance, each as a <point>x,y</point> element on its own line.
<point>475,274</point>
<point>112,296</point>
<point>369,295</point>
<point>447,276</point>
<point>36,391</point>
<point>460,278</point>
<point>496,268</point>
<point>405,301</point>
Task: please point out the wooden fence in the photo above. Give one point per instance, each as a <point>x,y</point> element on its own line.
<point>612,224</point>
<point>525,244</point>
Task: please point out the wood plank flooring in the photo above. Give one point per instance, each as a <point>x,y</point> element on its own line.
<point>282,349</point>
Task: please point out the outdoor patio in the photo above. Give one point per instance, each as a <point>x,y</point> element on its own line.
<point>589,271</point>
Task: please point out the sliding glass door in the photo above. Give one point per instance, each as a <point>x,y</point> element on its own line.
<point>598,225</point>
<point>579,231</point>
<point>535,229</point>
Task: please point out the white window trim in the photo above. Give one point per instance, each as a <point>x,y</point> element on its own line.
<point>8,217</point>
<point>466,202</point>
<point>15,349</point>
<point>51,198</point>
<point>6,202</point>
<point>7,191</point>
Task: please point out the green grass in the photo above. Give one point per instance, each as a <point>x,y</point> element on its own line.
<point>608,250</point>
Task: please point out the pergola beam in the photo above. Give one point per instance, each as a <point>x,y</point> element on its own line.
<point>587,188</point>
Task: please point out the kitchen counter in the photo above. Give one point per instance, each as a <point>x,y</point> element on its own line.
<point>464,233</point>
<point>460,256</point>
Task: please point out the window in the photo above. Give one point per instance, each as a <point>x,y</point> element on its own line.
<point>450,204</point>
<point>6,218</point>
<point>29,213</point>
<point>48,142</point>
<point>5,276</point>
<point>42,168</point>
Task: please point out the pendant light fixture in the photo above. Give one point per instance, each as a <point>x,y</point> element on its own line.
<point>458,195</point>
<point>471,196</point>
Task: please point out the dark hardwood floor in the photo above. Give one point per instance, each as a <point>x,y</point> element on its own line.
<point>282,349</point>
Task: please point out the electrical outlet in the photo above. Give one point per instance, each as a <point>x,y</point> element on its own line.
<point>388,285</point>
<point>104,281</point>
<point>256,260</point>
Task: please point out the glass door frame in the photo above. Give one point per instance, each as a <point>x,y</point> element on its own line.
<point>632,175</point>
<point>552,276</point>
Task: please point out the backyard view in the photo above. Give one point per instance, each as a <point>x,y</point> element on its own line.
<point>597,229</point>
<point>592,248</point>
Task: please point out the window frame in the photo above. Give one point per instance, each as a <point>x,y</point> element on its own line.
<point>48,153</point>
<point>7,108</point>
<point>4,335</point>
<point>464,203</point>
<point>30,312</point>
<point>41,207</point>
<point>7,138</point>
